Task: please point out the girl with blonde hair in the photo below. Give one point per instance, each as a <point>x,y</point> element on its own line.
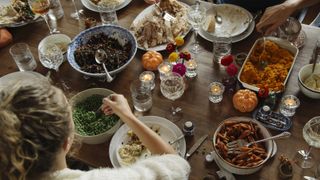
<point>37,132</point>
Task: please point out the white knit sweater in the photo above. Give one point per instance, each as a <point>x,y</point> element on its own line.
<point>165,167</point>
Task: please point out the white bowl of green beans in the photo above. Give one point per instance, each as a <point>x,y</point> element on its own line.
<point>92,126</point>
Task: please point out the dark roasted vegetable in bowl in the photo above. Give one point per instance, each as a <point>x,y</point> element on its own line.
<point>119,44</point>
<point>92,126</point>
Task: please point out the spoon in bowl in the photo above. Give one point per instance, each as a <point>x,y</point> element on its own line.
<point>101,57</point>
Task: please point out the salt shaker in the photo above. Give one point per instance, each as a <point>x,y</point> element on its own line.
<point>264,112</point>
<point>188,128</point>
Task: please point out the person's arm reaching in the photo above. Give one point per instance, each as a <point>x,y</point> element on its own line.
<point>276,15</point>
<point>118,104</point>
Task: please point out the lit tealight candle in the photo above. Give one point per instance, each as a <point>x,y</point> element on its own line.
<point>290,102</point>
<point>164,68</point>
<point>216,90</point>
<point>191,66</point>
<point>147,78</point>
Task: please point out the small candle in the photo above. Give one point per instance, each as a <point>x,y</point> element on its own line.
<point>164,68</point>
<point>191,66</point>
<point>290,102</point>
<point>147,78</point>
<point>216,90</point>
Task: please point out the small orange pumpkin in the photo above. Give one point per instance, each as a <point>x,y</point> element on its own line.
<point>151,60</point>
<point>245,100</point>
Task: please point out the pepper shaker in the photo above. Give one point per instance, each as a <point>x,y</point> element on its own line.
<point>188,128</point>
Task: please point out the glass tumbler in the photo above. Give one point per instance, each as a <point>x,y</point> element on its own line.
<point>108,14</point>
<point>23,57</point>
<point>141,96</point>
<point>216,90</point>
<point>288,105</point>
<point>221,48</point>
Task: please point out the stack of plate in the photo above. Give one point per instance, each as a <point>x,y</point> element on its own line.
<point>236,23</point>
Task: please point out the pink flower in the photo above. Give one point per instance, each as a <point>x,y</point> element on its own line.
<point>179,68</point>
<point>227,60</point>
<point>232,70</point>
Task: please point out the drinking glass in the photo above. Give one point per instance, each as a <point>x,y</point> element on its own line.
<point>290,29</point>
<point>23,57</point>
<point>141,96</point>
<point>288,105</point>
<point>51,56</point>
<point>108,14</point>
<point>172,87</point>
<point>221,48</point>
<point>76,14</point>
<point>196,17</point>
<point>41,7</point>
<point>216,90</point>
<point>311,134</point>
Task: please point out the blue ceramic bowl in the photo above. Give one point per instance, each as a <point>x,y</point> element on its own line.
<point>119,33</point>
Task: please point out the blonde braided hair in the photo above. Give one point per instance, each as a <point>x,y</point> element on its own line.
<point>34,123</point>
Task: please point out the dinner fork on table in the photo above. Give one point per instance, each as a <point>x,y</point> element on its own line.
<point>234,146</point>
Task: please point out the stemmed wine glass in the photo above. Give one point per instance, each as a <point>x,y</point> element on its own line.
<point>172,87</point>
<point>76,14</point>
<point>311,134</point>
<point>41,7</point>
<point>196,17</point>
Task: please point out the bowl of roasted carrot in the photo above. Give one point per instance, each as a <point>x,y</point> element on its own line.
<point>242,159</point>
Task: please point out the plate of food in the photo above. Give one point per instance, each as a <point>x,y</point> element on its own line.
<point>153,32</point>
<point>16,13</point>
<point>234,20</point>
<point>93,5</point>
<point>125,148</point>
<point>268,64</point>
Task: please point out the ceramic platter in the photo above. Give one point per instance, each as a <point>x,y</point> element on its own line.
<point>7,21</point>
<point>167,130</point>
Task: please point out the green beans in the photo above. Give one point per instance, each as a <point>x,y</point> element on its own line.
<point>87,122</point>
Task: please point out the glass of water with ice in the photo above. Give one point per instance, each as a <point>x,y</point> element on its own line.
<point>23,57</point>
<point>51,56</point>
<point>141,96</point>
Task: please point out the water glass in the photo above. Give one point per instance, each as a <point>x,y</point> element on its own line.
<point>191,66</point>
<point>108,14</point>
<point>23,57</point>
<point>221,48</point>
<point>216,90</point>
<point>141,96</point>
<point>288,105</point>
<point>51,56</point>
<point>290,29</point>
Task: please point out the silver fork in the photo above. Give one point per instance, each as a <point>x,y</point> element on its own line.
<point>234,146</point>
<point>177,139</point>
<point>165,15</point>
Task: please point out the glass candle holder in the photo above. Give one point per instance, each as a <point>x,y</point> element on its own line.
<point>164,69</point>
<point>216,90</point>
<point>288,105</point>
<point>191,66</point>
<point>147,79</point>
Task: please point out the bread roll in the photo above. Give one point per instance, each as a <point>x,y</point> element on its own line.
<point>5,37</point>
<point>210,24</point>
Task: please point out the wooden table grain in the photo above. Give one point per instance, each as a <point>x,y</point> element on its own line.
<point>194,102</point>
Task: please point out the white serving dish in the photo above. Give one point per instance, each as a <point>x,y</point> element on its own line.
<point>244,170</point>
<point>102,137</point>
<point>304,73</point>
<point>283,44</point>
<point>93,7</point>
<point>56,39</point>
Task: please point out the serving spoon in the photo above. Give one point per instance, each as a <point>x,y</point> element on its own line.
<point>101,57</point>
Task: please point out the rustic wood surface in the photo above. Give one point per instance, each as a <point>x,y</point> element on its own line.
<point>196,106</point>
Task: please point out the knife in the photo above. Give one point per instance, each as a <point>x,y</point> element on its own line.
<point>196,146</point>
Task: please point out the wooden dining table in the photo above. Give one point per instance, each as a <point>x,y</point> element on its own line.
<point>195,104</point>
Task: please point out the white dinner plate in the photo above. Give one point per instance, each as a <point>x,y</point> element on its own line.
<point>237,38</point>
<point>91,6</point>
<point>168,132</point>
<point>147,11</point>
<point>5,3</point>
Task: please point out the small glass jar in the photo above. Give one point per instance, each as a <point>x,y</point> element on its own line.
<point>164,69</point>
<point>191,66</point>
<point>216,90</point>
<point>147,79</point>
<point>288,105</point>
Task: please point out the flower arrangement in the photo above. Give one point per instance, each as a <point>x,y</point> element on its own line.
<point>177,58</point>
<point>232,69</point>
